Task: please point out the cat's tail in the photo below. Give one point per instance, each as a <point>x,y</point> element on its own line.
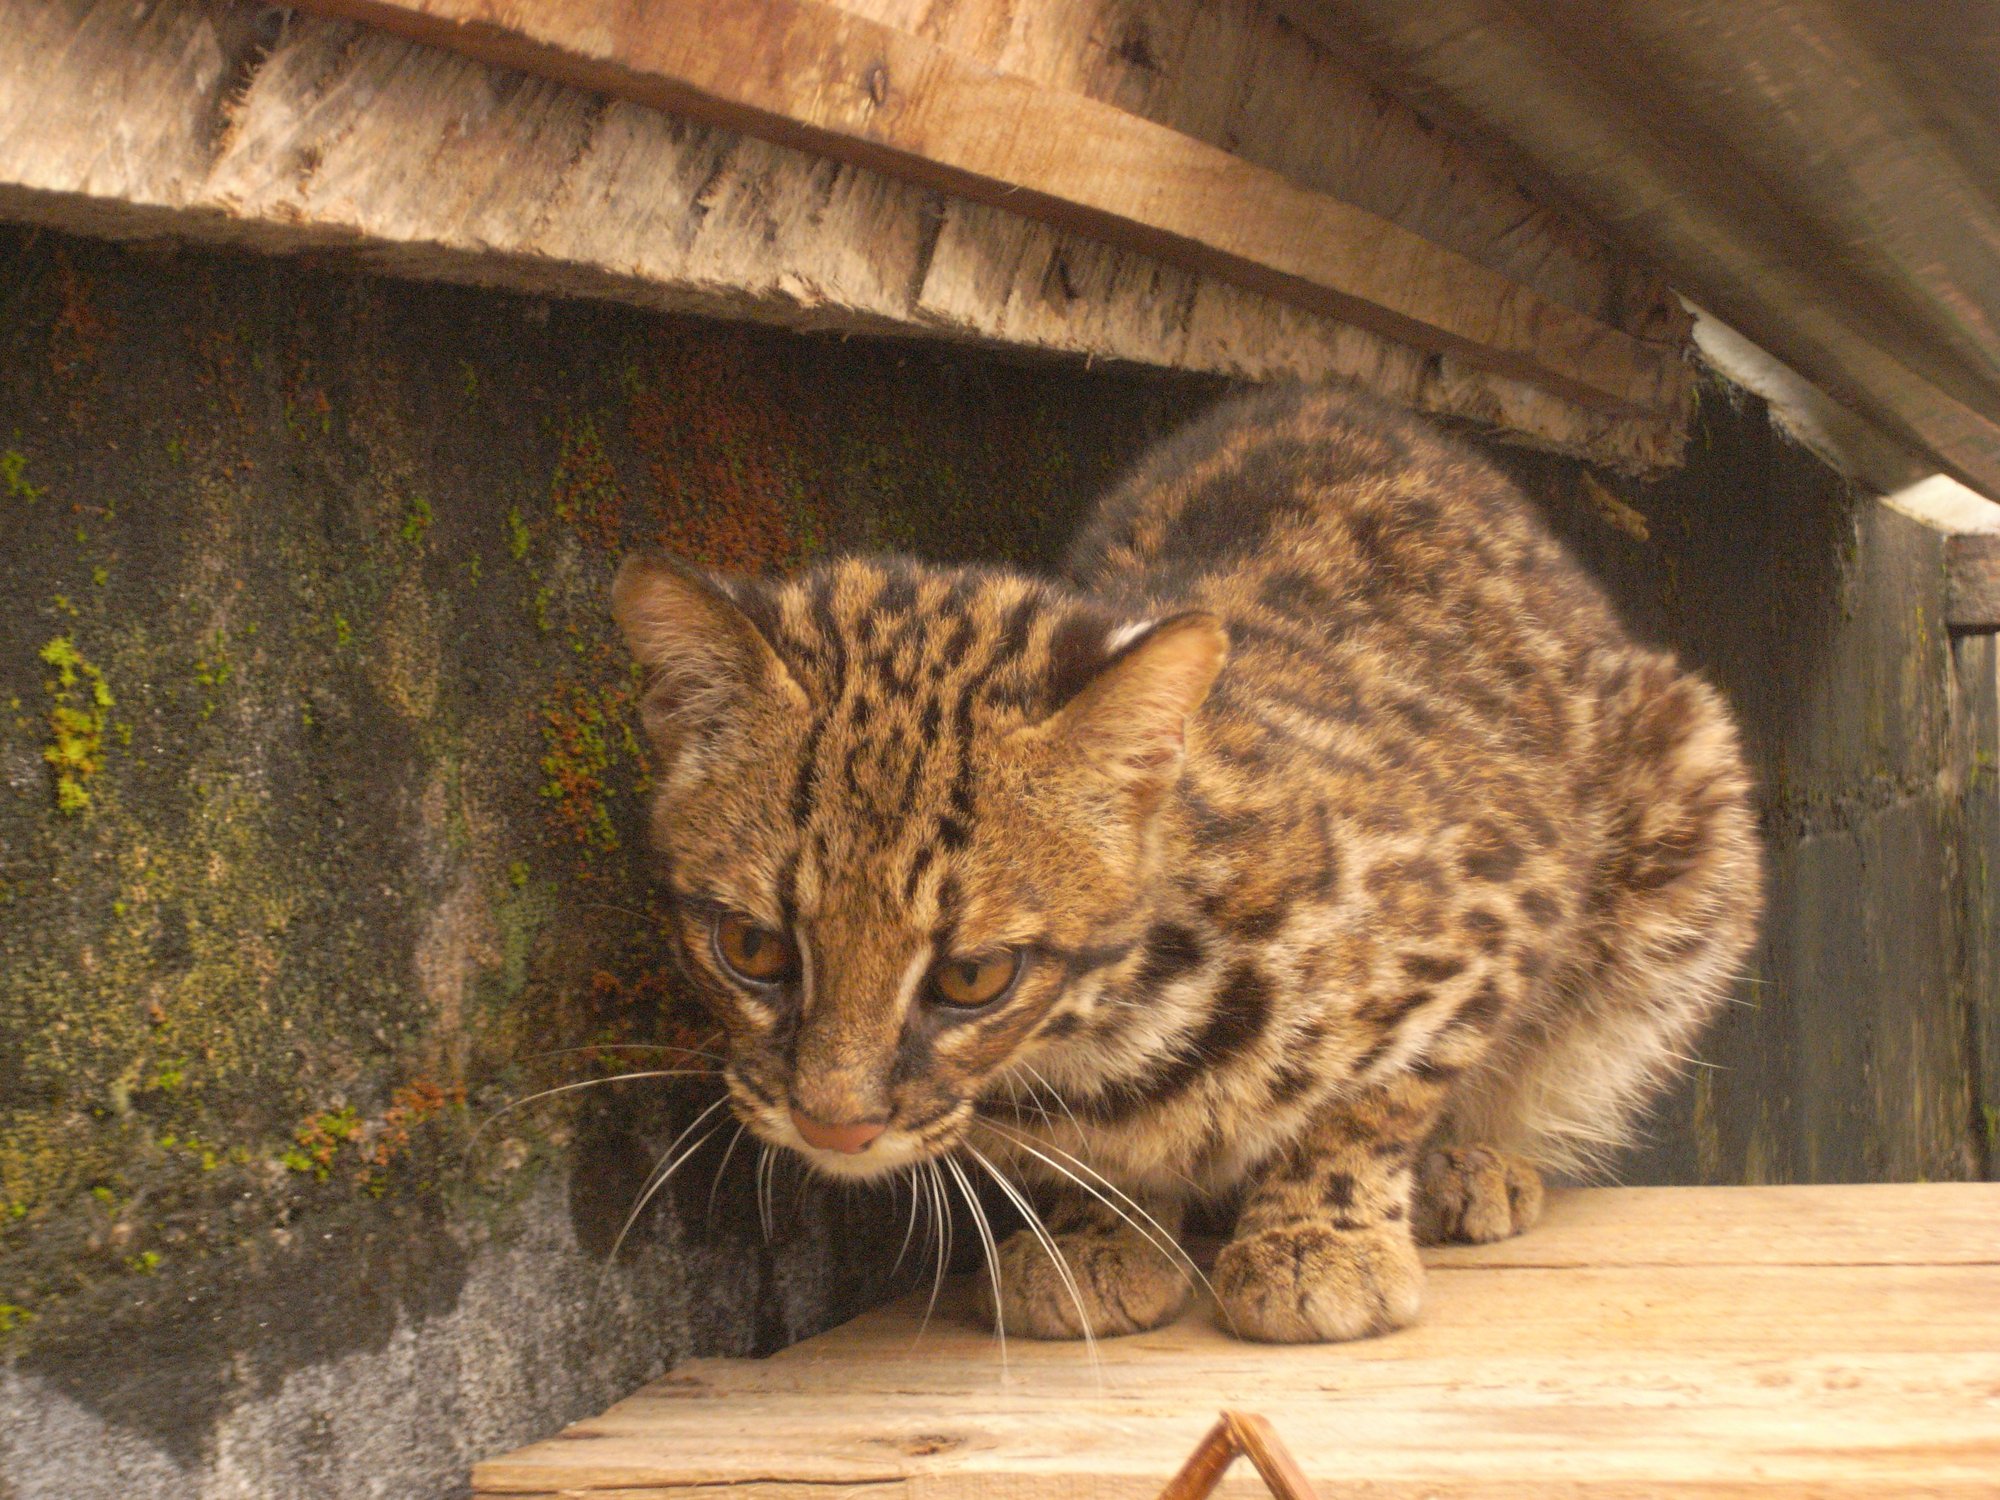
<point>1668,918</point>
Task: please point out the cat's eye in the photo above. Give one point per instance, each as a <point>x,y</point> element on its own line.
<point>979,979</point>
<point>753,953</point>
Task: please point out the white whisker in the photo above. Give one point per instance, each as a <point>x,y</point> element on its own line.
<point>942,1210</point>
<point>723,1165</point>
<point>567,1088</point>
<point>991,1248</point>
<point>1163,1242</point>
<point>910,1229</point>
<point>623,1047</point>
<point>764,1213</point>
<point>657,1179</point>
<point>1048,1244</point>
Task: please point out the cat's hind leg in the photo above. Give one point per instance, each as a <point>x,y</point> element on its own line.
<point>1662,924</point>
<point>1473,1195</point>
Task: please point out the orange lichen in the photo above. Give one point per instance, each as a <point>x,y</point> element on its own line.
<point>647,1010</point>
<point>722,452</point>
<point>80,329</point>
<point>409,1107</point>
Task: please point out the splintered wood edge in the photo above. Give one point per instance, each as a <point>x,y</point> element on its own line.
<point>315,145</point>
<point>807,75</point>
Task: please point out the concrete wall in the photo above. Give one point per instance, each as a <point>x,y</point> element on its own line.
<point>317,837</point>
<point>303,583</point>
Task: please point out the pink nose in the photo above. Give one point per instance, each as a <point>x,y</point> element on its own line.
<point>853,1138</point>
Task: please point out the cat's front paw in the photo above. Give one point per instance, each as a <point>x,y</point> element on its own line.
<point>1314,1283</point>
<point>1475,1195</point>
<point>1118,1283</point>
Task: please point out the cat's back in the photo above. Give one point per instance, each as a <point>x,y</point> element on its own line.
<point>1326,511</point>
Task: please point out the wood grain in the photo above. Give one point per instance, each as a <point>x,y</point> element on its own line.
<point>1972,582</point>
<point>1804,170</point>
<point>203,120</point>
<point>1831,1342</point>
<point>810,75</point>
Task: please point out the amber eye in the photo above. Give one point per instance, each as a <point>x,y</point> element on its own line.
<point>752,953</point>
<point>978,980</point>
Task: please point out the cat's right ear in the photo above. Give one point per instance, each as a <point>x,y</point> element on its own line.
<point>706,662</point>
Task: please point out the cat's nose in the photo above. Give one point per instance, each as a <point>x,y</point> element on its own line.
<point>852,1137</point>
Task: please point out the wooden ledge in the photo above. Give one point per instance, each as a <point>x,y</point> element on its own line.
<point>1831,1341</point>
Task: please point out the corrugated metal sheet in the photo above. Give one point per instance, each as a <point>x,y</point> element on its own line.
<point>1824,175</point>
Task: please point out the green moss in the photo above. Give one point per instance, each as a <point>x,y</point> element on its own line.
<point>584,491</point>
<point>213,671</point>
<point>582,740</point>
<point>76,719</point>
<point>417,519</point>
<point>343,633</point>
<point>13,1317</point>
<point>14,474</point>
<point>319,1140</point>
<point>517,535</point>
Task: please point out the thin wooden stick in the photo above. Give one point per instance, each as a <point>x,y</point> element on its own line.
<point>1205,1467</point>
<point>1258,1441</point>
<point>1244,1434</point>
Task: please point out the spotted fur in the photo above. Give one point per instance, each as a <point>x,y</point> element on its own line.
<point>1361,859</point>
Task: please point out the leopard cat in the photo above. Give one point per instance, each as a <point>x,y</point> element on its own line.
<point>1319,844</point>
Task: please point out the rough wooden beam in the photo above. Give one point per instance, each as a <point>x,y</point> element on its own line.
<point>1235,74</point>
<point>1972,583</point>
<point>1776,159</point>
<point>807,74</point>
<point>1970,526</point>
<point>211,121</point>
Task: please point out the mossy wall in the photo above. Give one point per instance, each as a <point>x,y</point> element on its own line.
<point>318,837</point>
<point>318,833</point>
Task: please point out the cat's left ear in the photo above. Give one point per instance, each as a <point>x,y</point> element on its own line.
<point>706,661</point>
<point>1129,722</point>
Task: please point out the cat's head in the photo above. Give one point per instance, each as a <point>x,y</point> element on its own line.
<point>905,814</point>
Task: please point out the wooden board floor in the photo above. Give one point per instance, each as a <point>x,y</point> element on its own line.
<point>1798,1341</point>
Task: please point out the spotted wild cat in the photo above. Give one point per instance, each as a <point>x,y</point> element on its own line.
<point>1319,843</point>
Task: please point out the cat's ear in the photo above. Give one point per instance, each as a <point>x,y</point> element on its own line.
<point>1129,722</point>
<point>706,662</point>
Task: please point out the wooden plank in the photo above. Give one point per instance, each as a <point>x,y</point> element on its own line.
<point>1969,523</point>
<point>196,119</point>
<point>1890,1223</point>
<point>1236,75</point>
<point>1972,582</point>
<point>1836,1342</point>
<point>806,74</point>
<point>1775,159</point>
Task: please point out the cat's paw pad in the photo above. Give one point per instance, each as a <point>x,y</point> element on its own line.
<point>1314,1283</point>
<point>1118,1283</point>
<point>1474,1195</point>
